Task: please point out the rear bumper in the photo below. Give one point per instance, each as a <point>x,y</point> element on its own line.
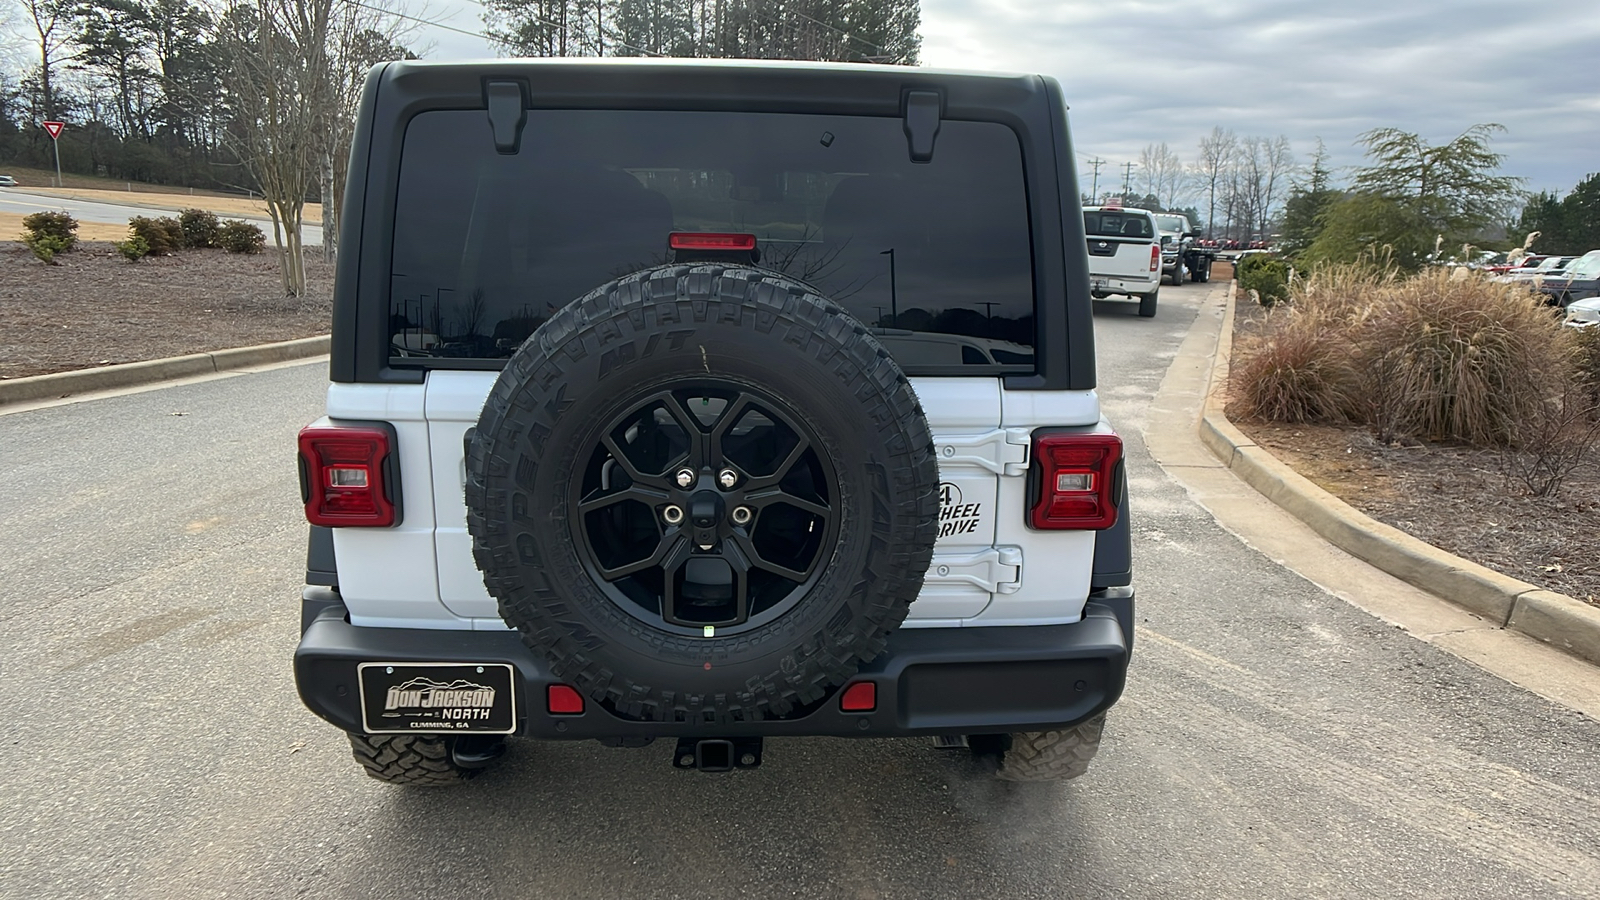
<point>929,680</point>
<point>1118,284</point>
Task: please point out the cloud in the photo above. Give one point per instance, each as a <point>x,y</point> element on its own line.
<point>1138,72</point>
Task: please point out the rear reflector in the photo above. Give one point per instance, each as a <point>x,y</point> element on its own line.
<point>1076,475</point>
<point>859,697</point>
<point>694,240</point>
<point>345,475</point>
<point>562,700</point>
<point>1155,258</point>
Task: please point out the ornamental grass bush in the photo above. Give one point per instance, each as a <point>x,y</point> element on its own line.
<point>1423,356</point>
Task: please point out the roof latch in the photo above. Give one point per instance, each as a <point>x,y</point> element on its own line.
<point>507,114</point>
<point>922,123</point>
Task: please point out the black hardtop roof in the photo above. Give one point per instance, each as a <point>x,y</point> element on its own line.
<point>756,85</point>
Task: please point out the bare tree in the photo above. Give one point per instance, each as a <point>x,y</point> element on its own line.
<point>1211,168</point>
<point>52,22</point>
<point>277,74</point>
<point>293,78</point>
<point>1264,166</point>
<point>1163,174</point>
<point>361,37</point>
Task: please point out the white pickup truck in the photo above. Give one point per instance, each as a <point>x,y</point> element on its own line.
<point>1124,254</point>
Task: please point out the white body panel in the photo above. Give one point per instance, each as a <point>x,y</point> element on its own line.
<point>989,568</point>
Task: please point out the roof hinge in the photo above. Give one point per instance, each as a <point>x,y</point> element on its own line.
<point>508,112</point>
<point>922,123</point>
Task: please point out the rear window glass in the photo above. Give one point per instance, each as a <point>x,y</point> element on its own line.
<point>935,257</point>
<point>1117,224</point>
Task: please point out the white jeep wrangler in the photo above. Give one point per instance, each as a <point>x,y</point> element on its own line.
<point>711,402</point>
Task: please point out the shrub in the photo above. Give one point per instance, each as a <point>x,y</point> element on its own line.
<point>1295,374</point>
<point>60,227</point>
<point>1428,356</point>
<point>199,228</point>
<point>46,246</point>
<point>1267,276</point>
<point>134,248</point>
<point>1469,359</point>
<point>240,237</point>
<point>1586,362</point>
<point>161,236</point>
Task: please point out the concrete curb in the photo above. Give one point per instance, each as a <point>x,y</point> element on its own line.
<point>64,384</point>
<point>1556,619</point>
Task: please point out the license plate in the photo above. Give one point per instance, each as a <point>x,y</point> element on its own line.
<point>408,698</point>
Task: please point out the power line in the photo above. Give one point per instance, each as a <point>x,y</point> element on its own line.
<point>408,17</point>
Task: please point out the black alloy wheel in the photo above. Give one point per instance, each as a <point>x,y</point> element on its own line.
<point>705,505</point>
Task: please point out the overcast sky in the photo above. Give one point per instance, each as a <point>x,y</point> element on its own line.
<point>1140,71</point>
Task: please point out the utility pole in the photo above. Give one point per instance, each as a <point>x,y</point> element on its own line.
<point>894,301</point>
<point>1094,190</point>
<point>1127,180</point>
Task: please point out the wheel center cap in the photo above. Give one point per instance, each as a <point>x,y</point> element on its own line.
<point>706,509</point>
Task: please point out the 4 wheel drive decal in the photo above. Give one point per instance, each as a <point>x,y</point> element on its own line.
<point>955,516</point>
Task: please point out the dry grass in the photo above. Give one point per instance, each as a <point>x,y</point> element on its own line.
<point>222,206</point>
<point>1425,356</point>
<point>1294,374</point>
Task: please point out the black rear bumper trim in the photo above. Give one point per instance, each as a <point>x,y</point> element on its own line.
<point>929,680</point>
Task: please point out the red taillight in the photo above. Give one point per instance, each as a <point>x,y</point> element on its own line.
<point>1155,259</point>
<point>694,240</point>
<point>859,697</point>
<point>344,475</point>
<point>1076,474</point>
<point>562,700</point>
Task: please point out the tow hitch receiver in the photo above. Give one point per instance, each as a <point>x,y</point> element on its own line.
<point>717,754</point>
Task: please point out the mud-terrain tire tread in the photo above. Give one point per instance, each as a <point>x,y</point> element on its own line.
<point>1052,755</point>
<point>413,759</point>
<point>533,598</point>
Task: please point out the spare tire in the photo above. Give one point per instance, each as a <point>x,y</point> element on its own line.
<point>702,494</point>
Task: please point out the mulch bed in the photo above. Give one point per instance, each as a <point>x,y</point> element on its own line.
<point>96,308</point>
<point>1458,498</point>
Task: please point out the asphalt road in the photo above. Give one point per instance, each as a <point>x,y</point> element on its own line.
<point>1274,741</point>
<point>20,202</point>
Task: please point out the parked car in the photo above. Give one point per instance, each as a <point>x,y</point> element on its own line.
<point>1544,268</point>
<point>1580,280</point>
<point>618,479</point>
<point>1124,254</point>
<point>1504,266</point>
<point>1584,313</point>
<point>7,181</point>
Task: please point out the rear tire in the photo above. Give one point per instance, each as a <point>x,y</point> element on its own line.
<point>415,759</point>
<point>1147,304</point>
<point>1042,756</point>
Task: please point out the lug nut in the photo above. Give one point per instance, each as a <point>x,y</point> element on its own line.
<point>673,514</point>
<point>727,478</point>
<point>685,478</point>
<point>742,515</point>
